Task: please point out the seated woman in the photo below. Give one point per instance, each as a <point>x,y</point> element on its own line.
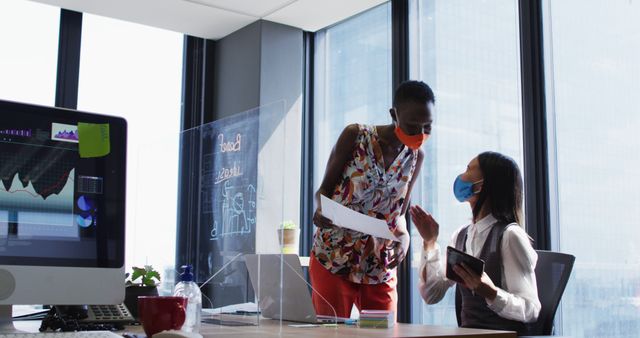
<point>505,296</point>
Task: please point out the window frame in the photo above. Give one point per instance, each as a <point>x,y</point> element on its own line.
<point>68,74</point>
<point>534,119</point>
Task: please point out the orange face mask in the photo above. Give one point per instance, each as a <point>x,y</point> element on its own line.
<point>412,141</point>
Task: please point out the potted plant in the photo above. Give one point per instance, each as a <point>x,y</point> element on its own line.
<point>288,235</point>
<point>141,282</point>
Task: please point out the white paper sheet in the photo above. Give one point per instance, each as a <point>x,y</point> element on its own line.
<point>244,307</point>
<point>350,219</point>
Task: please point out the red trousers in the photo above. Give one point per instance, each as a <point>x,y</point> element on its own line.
<point>335,291</point>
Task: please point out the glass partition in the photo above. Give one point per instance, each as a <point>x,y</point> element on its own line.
<point>244,226</point>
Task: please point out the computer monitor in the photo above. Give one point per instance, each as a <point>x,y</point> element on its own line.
<point>62,206</point>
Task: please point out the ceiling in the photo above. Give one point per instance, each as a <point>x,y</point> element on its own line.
<point>214,19</point>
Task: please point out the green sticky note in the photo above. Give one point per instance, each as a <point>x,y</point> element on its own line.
<point>93,139</point>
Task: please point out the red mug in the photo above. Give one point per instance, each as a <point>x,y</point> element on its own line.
<point>159,313</point>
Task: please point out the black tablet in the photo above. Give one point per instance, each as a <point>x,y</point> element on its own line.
<point>455,256</point>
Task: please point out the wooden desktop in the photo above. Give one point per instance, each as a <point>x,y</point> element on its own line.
<point>272,328</point>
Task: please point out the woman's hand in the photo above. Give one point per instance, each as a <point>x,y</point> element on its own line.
<point>399,251</point>
<point>426,225</point>
<point>320,221</point>
<point>481,285</point>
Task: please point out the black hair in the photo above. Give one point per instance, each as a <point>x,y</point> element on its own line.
<point>413,91</point>
<point>502,188</point>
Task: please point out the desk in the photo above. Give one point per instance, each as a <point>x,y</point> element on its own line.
<point>270,328</point>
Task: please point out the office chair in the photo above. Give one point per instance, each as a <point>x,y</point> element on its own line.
<point>552,274</point>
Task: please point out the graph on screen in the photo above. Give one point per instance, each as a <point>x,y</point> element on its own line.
<point>64,132</point>
<point>18,196</point>
<point>37,185</point>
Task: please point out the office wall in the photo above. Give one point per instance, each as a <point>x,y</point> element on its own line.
<point>237,64</point>
<point>281,79</point>
<point>262,64</point>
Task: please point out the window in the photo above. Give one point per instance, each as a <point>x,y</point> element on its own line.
<point>29,58</point>
<point>135,71</point>
<point>468,52</point>
<point>593,114</point>
<point>353,79</point>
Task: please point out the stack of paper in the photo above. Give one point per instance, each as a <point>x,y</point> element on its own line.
<point>376,319</point>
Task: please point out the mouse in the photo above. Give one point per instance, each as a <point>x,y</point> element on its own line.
<point>176,334</point>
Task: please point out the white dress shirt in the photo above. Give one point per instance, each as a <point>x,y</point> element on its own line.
<point>518,299</point>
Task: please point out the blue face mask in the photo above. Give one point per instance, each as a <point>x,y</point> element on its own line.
<point>463,190</point>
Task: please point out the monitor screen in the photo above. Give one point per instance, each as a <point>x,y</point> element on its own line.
<point>63,186</point>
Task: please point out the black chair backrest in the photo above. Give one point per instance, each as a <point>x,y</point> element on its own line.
<point>552,274</point>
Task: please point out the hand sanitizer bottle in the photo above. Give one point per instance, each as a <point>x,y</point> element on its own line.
<point>189,289</point>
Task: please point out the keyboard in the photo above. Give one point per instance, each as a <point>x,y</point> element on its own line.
<point>79,334</point>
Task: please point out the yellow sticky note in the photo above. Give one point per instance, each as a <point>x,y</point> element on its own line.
<point>93,139</point>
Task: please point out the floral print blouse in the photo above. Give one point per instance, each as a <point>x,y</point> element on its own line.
<point>365,186</point>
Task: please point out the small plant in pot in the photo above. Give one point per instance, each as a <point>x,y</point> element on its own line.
<point>141,282</point>
<point>288,235</point>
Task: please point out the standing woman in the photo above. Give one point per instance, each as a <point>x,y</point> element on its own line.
<point>371,170</point>
<point>505,296</point>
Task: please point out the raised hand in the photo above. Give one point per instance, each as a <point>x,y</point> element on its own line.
<point>427,227</point>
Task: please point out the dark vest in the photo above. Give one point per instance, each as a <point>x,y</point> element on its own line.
<point>472,310</point>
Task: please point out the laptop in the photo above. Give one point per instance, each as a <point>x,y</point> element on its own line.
<point>264,272</point>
